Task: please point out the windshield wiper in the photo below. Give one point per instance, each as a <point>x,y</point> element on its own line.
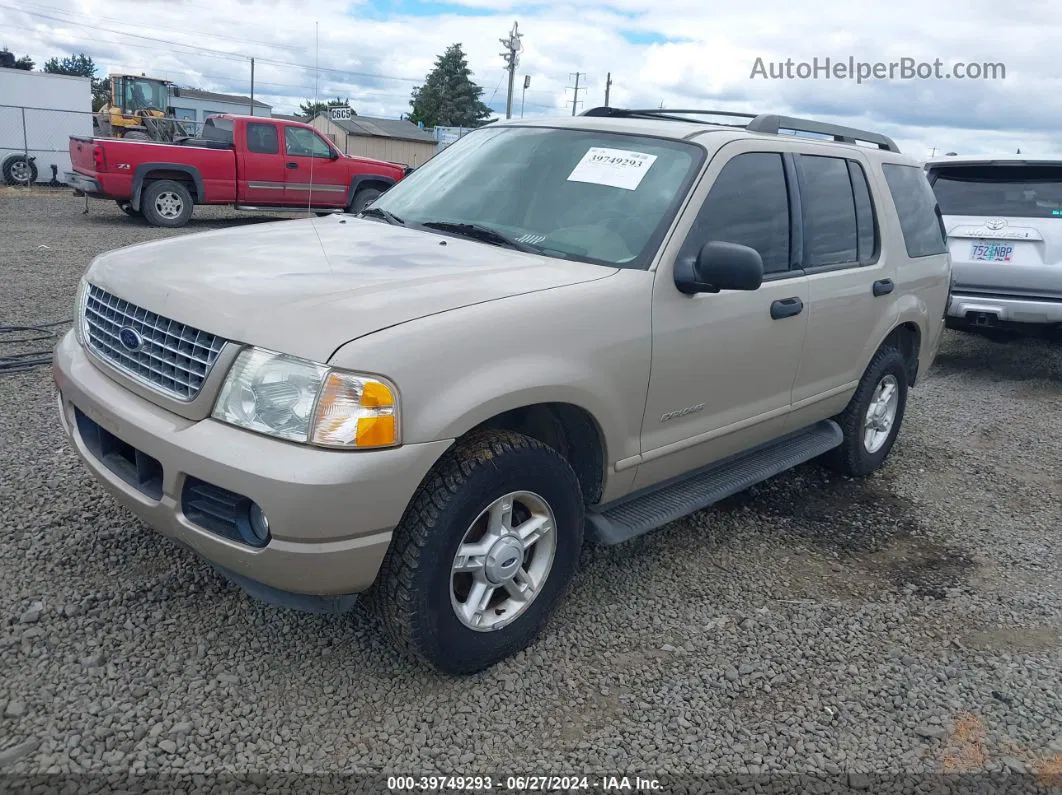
<point>482,233</point>
<point>379,212</point>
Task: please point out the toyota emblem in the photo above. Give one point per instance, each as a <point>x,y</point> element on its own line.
<point>995,223</point>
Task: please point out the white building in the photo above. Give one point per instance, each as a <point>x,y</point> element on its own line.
<point>195,105</point>
<point>38,114</point>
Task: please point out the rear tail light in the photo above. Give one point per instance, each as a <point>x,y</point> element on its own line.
<point>98,158</point>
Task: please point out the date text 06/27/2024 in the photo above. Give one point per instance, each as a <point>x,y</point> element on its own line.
<point>521,783</point>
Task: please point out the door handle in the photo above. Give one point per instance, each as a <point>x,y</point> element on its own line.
<point>786,307</point>
<point>293,165</point>
<point>883,287</point>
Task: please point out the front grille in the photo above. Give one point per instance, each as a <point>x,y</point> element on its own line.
<point>171,357</point>
<point>135,467</point>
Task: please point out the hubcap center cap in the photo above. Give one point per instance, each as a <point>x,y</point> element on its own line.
<point>503,560</point>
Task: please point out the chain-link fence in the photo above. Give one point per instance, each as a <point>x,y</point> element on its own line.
<point>35,142</point>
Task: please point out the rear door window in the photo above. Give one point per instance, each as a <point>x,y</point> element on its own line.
<point>829,211</point>
<point>1007,191</point>
<point>262,138</point>
<point>916,206</point>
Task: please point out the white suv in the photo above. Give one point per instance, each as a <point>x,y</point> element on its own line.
<point>1003,217</point>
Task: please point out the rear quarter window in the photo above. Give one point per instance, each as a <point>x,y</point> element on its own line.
<point>916,208</point>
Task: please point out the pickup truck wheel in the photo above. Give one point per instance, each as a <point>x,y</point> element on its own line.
<point>485,551</point>
<point>166,203</point>
<point>20,170</point>
<point>362,199</point>
<point>872,419</point>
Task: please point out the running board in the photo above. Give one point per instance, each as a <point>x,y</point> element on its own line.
<point>288,209</point>
<point>654,507</point>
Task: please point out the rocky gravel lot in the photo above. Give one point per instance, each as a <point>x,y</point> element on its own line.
<point>911,623</point>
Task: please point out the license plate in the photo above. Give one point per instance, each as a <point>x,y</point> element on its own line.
<point>992,252</point>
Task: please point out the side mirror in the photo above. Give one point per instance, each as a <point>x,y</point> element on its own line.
<point>176,91</point>
<point>720,266</point>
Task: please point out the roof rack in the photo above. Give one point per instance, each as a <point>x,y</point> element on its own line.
<point>762,123</point>
<point>665,113</point>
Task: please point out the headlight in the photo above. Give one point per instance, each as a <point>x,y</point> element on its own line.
<point>302,401</point>
<point>79,311</point>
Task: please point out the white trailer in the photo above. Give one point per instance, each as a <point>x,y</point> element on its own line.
<point>38,114</point>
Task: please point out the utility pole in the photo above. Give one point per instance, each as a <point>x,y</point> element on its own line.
<point>934,152</point>
<point>252,86</point>
<point>575,98</point>
<point>512,59</point>
<point>608,85</point>
<point>523,96</point>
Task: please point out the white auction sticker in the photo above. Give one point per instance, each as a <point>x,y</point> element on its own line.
<point>618,168</point>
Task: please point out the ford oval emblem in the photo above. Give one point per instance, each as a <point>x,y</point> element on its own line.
<point>130,339</point>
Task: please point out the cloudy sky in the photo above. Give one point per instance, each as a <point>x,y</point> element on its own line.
<point>682,53</point>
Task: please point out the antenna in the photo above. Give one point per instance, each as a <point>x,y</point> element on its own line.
<point>316,99</point>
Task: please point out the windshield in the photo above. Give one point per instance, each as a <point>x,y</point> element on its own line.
<point>1011,191</point>
<point>598,197</point>
<point>141,94</point>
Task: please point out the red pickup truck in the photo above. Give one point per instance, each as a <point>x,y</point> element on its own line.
<point>251,162</point>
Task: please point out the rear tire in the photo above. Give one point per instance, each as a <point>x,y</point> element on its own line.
<point>872,419</point>
<point>137,135</point>
<point>166,203</point>
<point>486,493</point>
<point>363,198</point>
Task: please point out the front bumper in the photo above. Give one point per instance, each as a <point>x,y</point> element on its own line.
<point>82,185</point>
<point>988,310</point>
<point>331,513</point>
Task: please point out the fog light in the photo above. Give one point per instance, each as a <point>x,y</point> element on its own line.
<point>259,523</point>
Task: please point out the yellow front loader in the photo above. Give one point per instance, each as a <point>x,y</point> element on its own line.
<point>139,109</point>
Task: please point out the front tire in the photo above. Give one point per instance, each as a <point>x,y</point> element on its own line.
<point>166,203</point>
<point>487,548</point>
<point>363,198</point>
<point>872,419</point>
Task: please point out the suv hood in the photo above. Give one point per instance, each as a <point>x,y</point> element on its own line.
<point>305,287</point>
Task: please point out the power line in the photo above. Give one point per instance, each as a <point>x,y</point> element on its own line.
<point>575,98</point>
<point>198,48</point>
<point>210,52</point>
<point>181,48</point>
<point>240,40</point>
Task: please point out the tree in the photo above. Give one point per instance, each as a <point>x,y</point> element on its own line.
<point>8,60</point>
<point>309,108</point>
<point>81,65</point>
<point>448,97</point>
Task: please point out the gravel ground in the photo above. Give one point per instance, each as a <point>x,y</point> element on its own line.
<point>910,623</point>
